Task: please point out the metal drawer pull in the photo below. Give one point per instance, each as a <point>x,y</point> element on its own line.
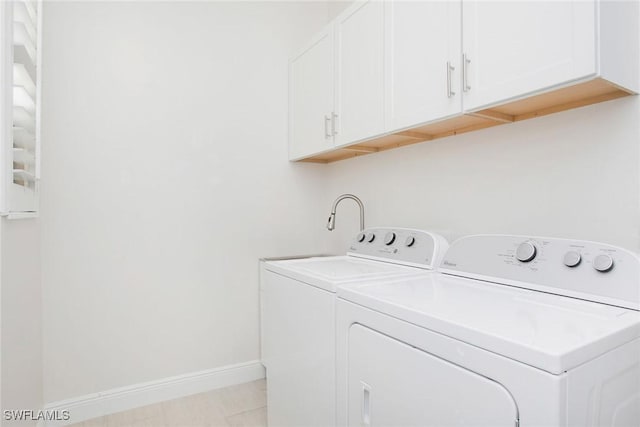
<point>465,72</point>
<point>327,119</point>
<point>450,69</point>
<point>334,126</point>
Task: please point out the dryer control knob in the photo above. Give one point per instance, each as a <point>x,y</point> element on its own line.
<point>572,259</point>
<point>389,238</point>
<point>371,237</point>
<point>360,237</point>
<point>603,263</point>
<point>526,252</point>
<point>410,241</point>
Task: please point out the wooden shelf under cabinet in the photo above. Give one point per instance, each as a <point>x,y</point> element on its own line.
<point>566,98</point>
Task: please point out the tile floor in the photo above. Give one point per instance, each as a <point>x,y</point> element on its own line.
<point>242,405</point>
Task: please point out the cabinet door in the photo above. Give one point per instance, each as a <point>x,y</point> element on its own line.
<point>311,94</point>
<point>522,47</point>
<point>360,72</point>
<point>423,61</point>
<point>391,383</point>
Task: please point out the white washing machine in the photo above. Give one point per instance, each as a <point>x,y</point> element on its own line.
<point>298,316</point>
<point>513,331</point>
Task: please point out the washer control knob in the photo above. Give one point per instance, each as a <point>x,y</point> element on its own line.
<point>389,238</point>
<point>572,259</point>
<point>360,237</point>
<point>526,252</point>
<point>410,241</point>
<point>370,237</point>
<point>603,263</point>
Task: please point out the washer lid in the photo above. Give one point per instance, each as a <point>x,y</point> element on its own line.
<point>550,332</point>
<point>329,272</point>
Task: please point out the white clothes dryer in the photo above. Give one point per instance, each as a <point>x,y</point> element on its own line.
<point>514,331</point>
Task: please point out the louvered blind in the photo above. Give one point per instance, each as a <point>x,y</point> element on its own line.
<point>22,23</point>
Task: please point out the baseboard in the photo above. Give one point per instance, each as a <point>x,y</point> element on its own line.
<point>121,399</point>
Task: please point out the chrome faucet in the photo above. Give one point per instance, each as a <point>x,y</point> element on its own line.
<point>331,223</point>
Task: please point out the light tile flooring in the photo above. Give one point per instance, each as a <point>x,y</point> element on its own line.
<point>241,405</point>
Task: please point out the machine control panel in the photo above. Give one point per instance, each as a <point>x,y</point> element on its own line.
<point>416,248</point>
<point>581,269</point>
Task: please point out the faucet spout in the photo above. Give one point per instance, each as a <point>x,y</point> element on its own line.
<point>331,223</point>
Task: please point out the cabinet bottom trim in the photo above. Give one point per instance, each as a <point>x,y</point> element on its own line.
<point>566,98</point>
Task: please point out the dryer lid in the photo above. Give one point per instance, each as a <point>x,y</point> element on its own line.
<point>546,331</point>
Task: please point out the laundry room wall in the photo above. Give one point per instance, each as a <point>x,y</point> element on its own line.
<point>574,174</point>
<point>164,179</point>
<point>335,7</point>
<point>21,321</point>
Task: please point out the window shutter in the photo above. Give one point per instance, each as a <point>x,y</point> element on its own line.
<point>21,95</point>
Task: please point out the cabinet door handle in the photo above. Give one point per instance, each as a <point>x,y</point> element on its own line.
<point>465,72</point>
<point>327,133</point>
<point>334,126</point>
<point>450,69</point>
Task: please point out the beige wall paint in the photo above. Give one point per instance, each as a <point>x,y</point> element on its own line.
<point>165,178</point>
<point>21,323</point>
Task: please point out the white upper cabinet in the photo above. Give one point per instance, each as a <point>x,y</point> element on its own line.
<point>311,91</point>
<point>423,61</point>
<point>390,73</point>
<point>360,85</point>
<point>514,48</point>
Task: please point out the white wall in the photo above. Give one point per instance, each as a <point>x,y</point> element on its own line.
<point>574,174</point>
<point>21,322</point>
<point>164,178</point>
<point>335,7</point>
